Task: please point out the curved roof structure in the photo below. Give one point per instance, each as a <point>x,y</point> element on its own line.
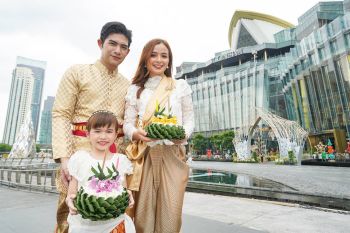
<point>256,28</point>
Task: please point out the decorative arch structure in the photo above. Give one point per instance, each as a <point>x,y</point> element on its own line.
<point>289,134</point>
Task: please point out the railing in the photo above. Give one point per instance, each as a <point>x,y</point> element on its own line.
<point>34,174</point>
<point>38,175</point>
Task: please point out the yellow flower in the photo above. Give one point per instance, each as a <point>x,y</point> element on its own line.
<point>157,106</point>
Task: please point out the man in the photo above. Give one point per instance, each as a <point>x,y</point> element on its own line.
<point>83,90</point>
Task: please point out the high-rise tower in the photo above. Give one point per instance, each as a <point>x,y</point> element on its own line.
<point>25,94</point>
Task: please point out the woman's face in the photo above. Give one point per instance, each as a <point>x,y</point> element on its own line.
<point>159,60</point>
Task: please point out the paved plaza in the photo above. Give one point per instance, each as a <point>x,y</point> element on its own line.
<point>30,212</point>
<point>329,181</point>
<point>22,211</point>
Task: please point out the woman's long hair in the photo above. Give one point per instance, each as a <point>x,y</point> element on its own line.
<point>142,74</point>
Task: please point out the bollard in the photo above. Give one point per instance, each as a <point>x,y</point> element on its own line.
<point>18,176</point>
<point>38,178</point>
<point>53,178</point>
<point>9,174</point>
<point>26,177</point>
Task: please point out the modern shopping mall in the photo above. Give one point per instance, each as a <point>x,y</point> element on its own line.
<point>300,73</point>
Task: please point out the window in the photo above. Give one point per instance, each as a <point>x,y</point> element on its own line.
<point>347,39</point>
<point>250,80</point>
<point>333,46</point>
<point>321,53</point>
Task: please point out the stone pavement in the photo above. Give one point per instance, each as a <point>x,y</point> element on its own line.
<point>330,181</point>
<point>30,212</point>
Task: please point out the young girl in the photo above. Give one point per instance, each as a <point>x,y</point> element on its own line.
<point>102,132</point>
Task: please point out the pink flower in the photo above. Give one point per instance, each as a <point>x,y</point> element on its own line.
<point>104,185</point>
<point>107,186</point>
<point>93,183</point>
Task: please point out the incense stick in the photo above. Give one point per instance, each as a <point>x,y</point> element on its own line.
<point>104,159</point>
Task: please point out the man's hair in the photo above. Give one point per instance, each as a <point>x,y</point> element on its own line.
<point>115,27</point>
<point>100,119</point>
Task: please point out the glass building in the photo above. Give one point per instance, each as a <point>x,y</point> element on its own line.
<point>228,88</point>
<point>25,95</point>
<point>45,135</point>
<point>301,73</point>
<point>316,73</point>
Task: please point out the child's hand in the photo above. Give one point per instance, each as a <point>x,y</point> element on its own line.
<point>70,204</point>
<point>131,199</point>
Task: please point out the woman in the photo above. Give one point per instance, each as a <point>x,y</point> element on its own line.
<point>160,173</point>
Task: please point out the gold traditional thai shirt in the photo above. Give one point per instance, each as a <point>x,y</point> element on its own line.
<point>83,90</point>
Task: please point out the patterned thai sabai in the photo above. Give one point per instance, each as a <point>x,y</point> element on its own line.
<point>164,126</point>
<point>104,197</point>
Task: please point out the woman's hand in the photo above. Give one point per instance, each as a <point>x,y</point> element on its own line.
<point>70,204</point>
<point>131,199</point>
<point>140,134</point>
<point>179,142</point>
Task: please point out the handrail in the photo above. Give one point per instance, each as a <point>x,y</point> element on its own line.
<point>33,176</point>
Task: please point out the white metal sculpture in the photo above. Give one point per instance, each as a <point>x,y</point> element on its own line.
<point>241,142</point>
<point>24,145</point>
<point>289,134</point>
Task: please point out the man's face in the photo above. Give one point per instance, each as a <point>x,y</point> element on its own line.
<point>114,50</point>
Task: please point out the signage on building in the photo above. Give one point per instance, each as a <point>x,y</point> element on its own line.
<point>225,56</point>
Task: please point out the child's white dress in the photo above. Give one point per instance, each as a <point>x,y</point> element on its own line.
<point>79,167</point>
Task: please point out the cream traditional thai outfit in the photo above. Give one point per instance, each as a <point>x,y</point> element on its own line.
<point>83,90</point>
<point>79,167</point>
<point>161,182</point>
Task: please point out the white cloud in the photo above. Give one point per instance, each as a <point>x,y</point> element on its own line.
<point>64,32</point>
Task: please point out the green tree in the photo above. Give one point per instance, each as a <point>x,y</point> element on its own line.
<point>37,148</point>
<point>223,141</point>
<point>200,144</point>
<point>5,147</point>
<point>227,138</point>
<point>216,140</point>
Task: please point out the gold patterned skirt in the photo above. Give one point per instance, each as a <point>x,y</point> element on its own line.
<point>158,204</point>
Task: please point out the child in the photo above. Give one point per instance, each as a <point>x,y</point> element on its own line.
<point>102,132</point>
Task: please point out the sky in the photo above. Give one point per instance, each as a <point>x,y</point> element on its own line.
<point>65,32</point>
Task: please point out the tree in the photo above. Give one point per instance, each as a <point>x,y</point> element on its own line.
<point>227,138</point>
<point>216,140</point>
<point>37,148</point>
<point>200,143</point>
<point>5,147</point>
<point>223,141</point>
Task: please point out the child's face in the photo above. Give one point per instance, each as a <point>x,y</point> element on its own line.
<point>102,138</point>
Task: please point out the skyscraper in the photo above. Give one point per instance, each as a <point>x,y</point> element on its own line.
<point>25,95</point>
<point>46,123</point>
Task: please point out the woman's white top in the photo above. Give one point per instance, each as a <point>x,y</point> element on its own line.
<point>79,166</point>
<point>180,101</point>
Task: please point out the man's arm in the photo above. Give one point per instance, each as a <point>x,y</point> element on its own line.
<point>62,114</point>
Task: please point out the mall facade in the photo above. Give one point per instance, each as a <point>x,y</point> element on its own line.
<point>300,73</point>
